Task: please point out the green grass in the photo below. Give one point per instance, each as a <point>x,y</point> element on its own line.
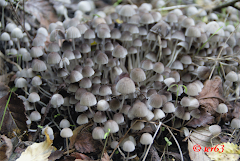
<point>6,106</point>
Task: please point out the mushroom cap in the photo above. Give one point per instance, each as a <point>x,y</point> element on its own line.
<point>146,139</point>
<point>112,125</point>
<point>137,75</point>
<point>222,108</point>
<point>155,100</point>
<point>158,114</point>
<point>88,99</point>
<point>125,86</point>
<point>33,97</point>
<point>57,100</point>
<point>119,52</point>
<point>20,83</point>
<point>235,123</point>
<point>128,146</point>
<point>35,116</point>
<point>232,76</point>
<point>64,123</point>
<point>119,118</point>
<point>127,11</point>
<point>139,109</point>
<point>82,119</point>
<point>98,133</point>
<point>72,33</point>
<point>215,129</point>
<point>66,132</point>
<point>99,117</point>
<point>102,105</point>
<point>192,89</point>
<point>168,107</point>
<point>38,65</point>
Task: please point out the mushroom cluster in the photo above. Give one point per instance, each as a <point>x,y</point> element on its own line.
<point>125,68</point>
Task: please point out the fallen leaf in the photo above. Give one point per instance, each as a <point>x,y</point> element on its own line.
<point>225,151</point>
<point>43,11</point>
<point>6,148</point>
<point>6,78</point>
<point>68,158</point>
<point>38,151</point>
<point>86,144</point>
<point>80,156</point>
<point>202,136</point>
<point>14,117</point>
<point>236,109</point>
<point>154,153</point>
<point>196,155</point>
<point>204,119</point>
<point>75,134</point>
<point>211,95</point>
<point>3,89</point>
<point>105,157</point>
<point>55,155</point>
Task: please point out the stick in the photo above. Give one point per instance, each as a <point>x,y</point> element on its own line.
<point>8,60</point>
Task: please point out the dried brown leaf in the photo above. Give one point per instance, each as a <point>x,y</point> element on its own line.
<point>6,78</point>
<point>43,11</point>
<point>105,157</point>
<point>194,155</point>
<point>55,155</point>
<point>86,144</point>
<point>80,156</point>
<point>202,136</point>
<point>3,89</point>
<point>204,119</point>
<point>75,134</point>
<point>236,109</point>
<point>15,117</point>
<point>6,148</point>
<point>211,94</point>
<point>154,153</point>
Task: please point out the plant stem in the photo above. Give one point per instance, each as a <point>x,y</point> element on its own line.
<point>9,97</point>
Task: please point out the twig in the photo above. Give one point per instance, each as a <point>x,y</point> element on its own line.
<point>221,52</point>
<point>159,125</point>
<point>179,148</point>
<point>230,3</point>
<point>122,139</point>
<point>175,7</point>
<point>8,60</point>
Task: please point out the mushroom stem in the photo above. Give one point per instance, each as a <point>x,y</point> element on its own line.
<point>67,146</point>
<point>73,44</point>
<point>219,118</point>
<point>3,24</point>
<point>127,156</point>
<point>190,43</point>
<point>143,154</point>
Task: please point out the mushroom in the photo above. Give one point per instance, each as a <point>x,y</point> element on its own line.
<point>66,133</point>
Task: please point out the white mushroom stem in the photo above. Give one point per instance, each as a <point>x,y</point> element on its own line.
<point>144,152</point>
<point>174,57</point>
<point>219,118</point>
<point>160,49</point>
<point>73,44</point>
<point>67,146</point>
<point>159,125</point>
<point>190,43</point>
<point>130,66</point>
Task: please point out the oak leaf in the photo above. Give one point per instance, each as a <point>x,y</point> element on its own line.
<point>6,148</point>
<point>38,151</point>
<point>14,114</point>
